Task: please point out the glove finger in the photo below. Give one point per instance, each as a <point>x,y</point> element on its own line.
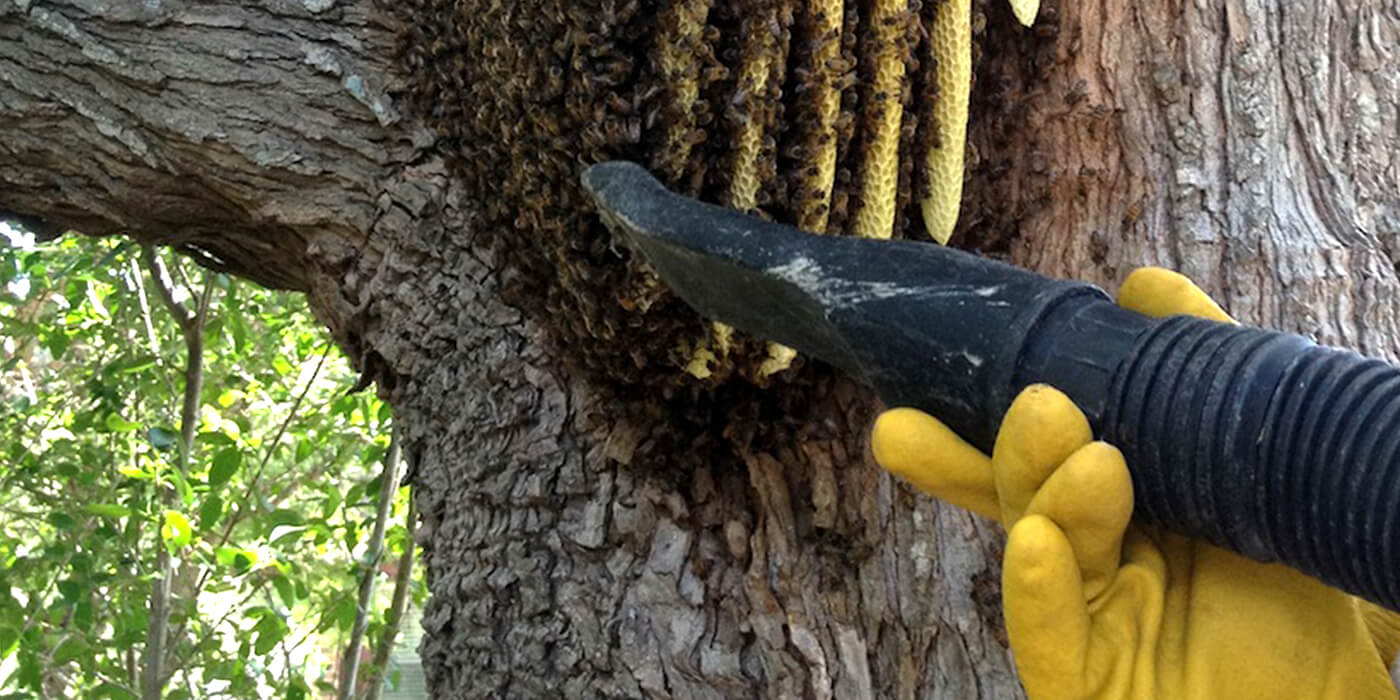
<point>1090,498</point>
<point>1040,431</point>
<point>1047,621</point>
<point>1157,292</point>
<point>1384,626</point>
<point>920,449</point>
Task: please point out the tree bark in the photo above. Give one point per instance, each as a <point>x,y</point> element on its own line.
<point>1250,143</point>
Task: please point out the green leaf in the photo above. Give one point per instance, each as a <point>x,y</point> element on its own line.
<point>130,364</point>
<point>69,589</point>
<point>82,615</point>
<point>61,520</point>
<point>80,562</point>
<point>238,328</point>
<point>374,454</point>
<point>117,424</point>
<point>162,438</point>
<point>225,465</point>
<point>211,511</point>
<point>351,536</point>
<point>245,560</point>
<point>215,438</point>
<point>107,510</point>
<point>280,364</point>
<point>30,675</point>
<point>285,590</point>
<point>131,472</point>
<point>9,641</point>
<point>258,612</point>
<point>270,630</point>
<point>175,530</point>
<point>238,559</point>
<point>225,554</point>
<point>140,363</point>
<point>283,516</point>
<point>304,449</point>
<point>332,502</point>
<point>56,342</point>
<point>88,477</point>
<point>228,398</point>
<point>343,406</point>
<point>132,624</point>
<point>297,690</point>
<point>283,535</point>
<point>36,266</point>
<point>182,485</point>
<point>341,615</point>
<point>72,648</point>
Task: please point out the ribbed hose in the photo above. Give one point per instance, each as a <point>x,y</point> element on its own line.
<point>1278,449</point>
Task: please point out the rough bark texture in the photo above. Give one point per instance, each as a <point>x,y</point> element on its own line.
<point>1251,144</point>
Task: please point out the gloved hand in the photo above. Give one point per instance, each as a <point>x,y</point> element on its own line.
<point>1098,607</point>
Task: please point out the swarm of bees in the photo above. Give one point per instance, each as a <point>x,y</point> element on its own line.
<point>844,117</point>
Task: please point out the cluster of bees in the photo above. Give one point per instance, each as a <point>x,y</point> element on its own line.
<point>828,114</point>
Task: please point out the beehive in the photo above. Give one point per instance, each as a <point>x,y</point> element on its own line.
<point>822,113</point>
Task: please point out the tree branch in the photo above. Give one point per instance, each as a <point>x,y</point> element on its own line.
<point>165,287</point>
<point>148,321</point>
<point>393,620</point>
<point>388,488</point>
<point>154,677</point>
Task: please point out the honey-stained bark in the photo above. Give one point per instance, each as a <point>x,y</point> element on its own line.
<point>595,521</point>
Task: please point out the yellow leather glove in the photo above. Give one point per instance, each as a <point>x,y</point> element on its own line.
<point>1098,607</point>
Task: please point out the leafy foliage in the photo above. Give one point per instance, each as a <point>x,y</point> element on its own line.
<point>264,532</point>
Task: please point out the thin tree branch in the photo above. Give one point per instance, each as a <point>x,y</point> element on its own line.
<point>160,277</point>
<point>145,306</point>
<point>132,670</point>
<point>393,619</point>
<point>153,674</point>
<point>388,488</point>
<point>114,683</point>
<point>267,455</point>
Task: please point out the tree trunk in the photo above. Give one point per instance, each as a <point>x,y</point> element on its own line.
<point>587,533</point>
